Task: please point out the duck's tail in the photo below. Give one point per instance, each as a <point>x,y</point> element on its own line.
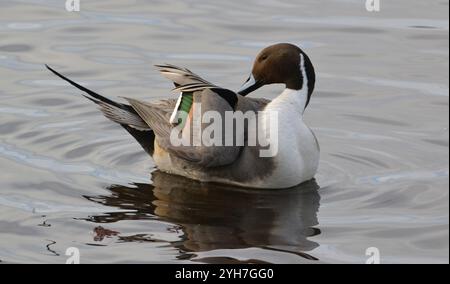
<point>120,113</point>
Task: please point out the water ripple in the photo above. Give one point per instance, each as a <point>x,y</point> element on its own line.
<point>366,22</point>
<point>404,176</point>
<point>42,162</point>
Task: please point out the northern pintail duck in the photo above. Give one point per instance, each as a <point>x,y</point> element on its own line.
<point>152,124</point>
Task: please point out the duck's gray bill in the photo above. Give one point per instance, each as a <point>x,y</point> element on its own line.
<point>250,85</point>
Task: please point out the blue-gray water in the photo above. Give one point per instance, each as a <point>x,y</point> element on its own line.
<point>71,178</point>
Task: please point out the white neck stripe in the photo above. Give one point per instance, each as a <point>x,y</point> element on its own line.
<point>303,72</point>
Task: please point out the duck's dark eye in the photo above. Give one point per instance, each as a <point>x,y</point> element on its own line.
<point>263,57</point>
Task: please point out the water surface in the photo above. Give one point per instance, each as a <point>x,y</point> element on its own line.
<point>70,178</point>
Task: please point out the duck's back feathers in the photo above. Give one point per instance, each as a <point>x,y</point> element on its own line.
<point>155,115</point>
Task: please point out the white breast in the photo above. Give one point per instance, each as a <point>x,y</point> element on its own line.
<point>297,159</point>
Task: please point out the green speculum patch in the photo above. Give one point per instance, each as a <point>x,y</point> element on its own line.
<point>185,107</point>
<point>186,103</point>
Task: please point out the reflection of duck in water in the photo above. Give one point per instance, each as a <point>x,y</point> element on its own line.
<point>222,217</point>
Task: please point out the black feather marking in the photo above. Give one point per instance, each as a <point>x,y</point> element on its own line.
<point>227,95</point>
<point>145,138</point>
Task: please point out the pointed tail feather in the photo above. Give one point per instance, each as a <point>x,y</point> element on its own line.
<point>120,113</point>
<point>86,90</point>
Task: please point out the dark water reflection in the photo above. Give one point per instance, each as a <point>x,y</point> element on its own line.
<point>213,216</point>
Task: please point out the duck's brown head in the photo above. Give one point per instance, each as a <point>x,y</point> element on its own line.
<point>282,63</point>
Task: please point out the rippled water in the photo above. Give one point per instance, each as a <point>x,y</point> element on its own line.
<point>70,178</point>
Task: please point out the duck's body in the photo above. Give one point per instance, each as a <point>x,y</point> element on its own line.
<point>296,161</point>
<point>296,156</point>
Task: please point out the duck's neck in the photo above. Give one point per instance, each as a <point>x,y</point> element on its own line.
<point>295,98</point>
<point>299,97</point>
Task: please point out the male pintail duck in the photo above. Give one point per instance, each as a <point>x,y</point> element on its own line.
<point>151,124</point>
